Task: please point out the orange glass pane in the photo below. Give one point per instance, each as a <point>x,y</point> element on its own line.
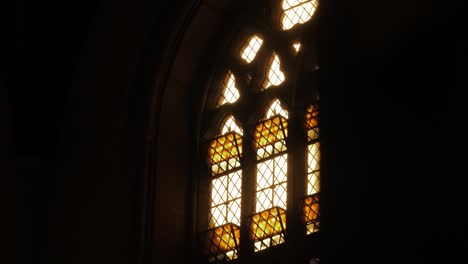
<point>312,116</point>
<point>297,12</point>
<point>229,92</point>
<point>250,49</point>
<point>267,228</point>
<point>270,137</point>
<point>222,243</point>
<point>312,120</point>
<point>311,213</point>
<point>224,153</point>
<point>274,74</point>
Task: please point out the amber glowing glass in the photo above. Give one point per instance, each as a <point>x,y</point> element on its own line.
<point>312,120</point>
<point>224,153</point>
<point>267,228</point>
<point>297,12</point>
<point>270,137</point>
<point>311,213</point>
<point>222,243</point>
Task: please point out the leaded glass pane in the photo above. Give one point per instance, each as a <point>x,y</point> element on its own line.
<point>250,48</point>
<point>274,74</point>
<point>226,199</point>
<point>267,228</point>
<point>297,12</point>
<point>271,183</point>
<point>229,91</point>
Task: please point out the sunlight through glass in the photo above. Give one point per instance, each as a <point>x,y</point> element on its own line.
<point>229,125</point>
<point>267,228</point>
<point>274,76</point>
<point>250,49</point>
<point>311,213</point>
<point>224,153</point>
<point>297,12</point>
<point>222,243</point>
<point>226,199</point>
<point>271,183</point>
<point>230,93</point>
<point>276,109</point>
<point>313,158</point>
<point>297,47</point>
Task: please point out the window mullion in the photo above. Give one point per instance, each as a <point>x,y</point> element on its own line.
<point>296,176</point>
<point>248,189</point>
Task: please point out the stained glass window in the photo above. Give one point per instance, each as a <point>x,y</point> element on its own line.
<point>271,190</point>
<point>224,154</point>
<point>246,195</point>
<point>311,204</point>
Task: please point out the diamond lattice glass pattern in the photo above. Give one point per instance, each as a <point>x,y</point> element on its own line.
<point>271,183</point>
<point>229,93</point>
<point>224,153</point>
<point>312,120</point>
<point>250,48</point>
<point>267,228</point>
<point>270,137</point>
<point>313,166</point>
<point>226,199</point>
<point>274,75</point>
<point>311,213</point>
<point>297,12</point>
<point>222,243</point>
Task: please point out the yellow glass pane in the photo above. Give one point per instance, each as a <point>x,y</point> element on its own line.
<point>267,228</point>
<point>311,213</point>
<point>274,75</point>
<point>250,49</point>
<point>226,199</point>
<point>230,93</point>
<point>270,137</point>
<point>222,243</point>
<point>297,46</point>
<point>297,12</point>
<point>224,153</point>
<point>271,187</point>
<point>229,125</point>
<point>312,116</point>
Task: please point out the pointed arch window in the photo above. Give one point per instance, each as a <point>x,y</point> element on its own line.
<point>263,166</point>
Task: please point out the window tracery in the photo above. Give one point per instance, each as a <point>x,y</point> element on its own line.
<point>264,220</point>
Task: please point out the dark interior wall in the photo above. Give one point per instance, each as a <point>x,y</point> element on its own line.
<point>79,91</point>
<point>77,96</point>
<point>389,129</point>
